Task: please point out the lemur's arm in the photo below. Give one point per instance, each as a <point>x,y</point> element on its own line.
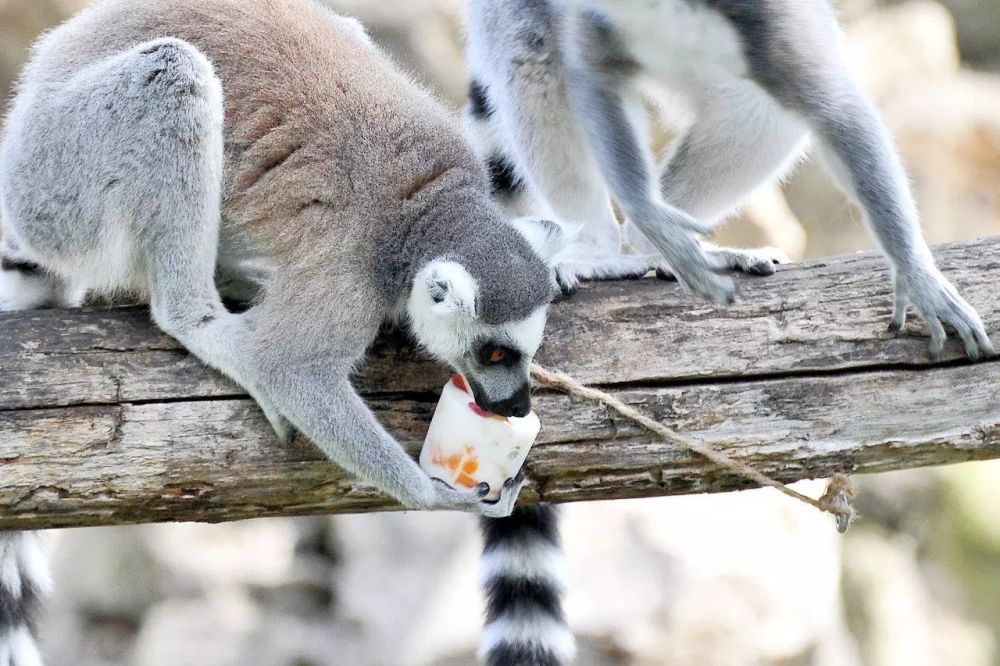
<point>320,401</point>
<point>299,361</point>
<point>598,73</point>
<point>860,153</point>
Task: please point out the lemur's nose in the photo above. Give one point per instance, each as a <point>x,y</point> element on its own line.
<point>518,404</point>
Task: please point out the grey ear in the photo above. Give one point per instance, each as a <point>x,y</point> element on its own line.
<point>546,237</point>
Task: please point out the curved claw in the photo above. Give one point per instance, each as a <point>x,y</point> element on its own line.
<point>938,338</point>
<point>901,302</point>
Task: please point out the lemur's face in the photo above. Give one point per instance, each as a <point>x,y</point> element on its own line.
<point>493,358</point>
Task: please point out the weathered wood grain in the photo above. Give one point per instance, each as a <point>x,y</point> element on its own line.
<point>103,420</point>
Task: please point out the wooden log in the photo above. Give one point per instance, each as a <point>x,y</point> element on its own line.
<point>104,420</point>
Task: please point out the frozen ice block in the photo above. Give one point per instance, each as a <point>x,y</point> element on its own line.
<point>466,445</point>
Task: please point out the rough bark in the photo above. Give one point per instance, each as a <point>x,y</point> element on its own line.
<point>104,420</point>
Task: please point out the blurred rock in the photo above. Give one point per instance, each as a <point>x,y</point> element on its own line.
<point>197,632</point>
<point>108,572</point>
<point>424,36</point>
<point>944,121</point>
<point>978,30</point>
<point>702,579</point>
<point>21,21</point>
<point>896,617</point>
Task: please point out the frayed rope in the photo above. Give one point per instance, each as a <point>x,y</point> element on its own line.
<point>836,500</point>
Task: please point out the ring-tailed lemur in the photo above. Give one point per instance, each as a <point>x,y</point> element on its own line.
<point>555,109</point>
<point>327,171</point>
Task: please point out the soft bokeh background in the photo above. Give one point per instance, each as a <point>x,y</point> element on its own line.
<point>749,578</point>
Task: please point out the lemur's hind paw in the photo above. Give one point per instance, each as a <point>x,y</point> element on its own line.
<point>940,304</point>
<point>571,272</point>
<point>753,261</point>
<point>716,288</point>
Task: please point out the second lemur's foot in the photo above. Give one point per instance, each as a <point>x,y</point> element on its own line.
<point>752,261</point>
<point>570,272</point>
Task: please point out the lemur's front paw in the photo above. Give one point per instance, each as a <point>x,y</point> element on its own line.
<point>504,506</point>
<point>752,261</point>
<point>940,304</point>
<point>602,266</point>
<point>474,500</point>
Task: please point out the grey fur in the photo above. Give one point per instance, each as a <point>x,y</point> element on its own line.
<point>328,180</point>
<point>760,76</point>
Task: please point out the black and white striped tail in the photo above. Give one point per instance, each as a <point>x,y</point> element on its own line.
<point>522,571</point>
<point>24,579</point>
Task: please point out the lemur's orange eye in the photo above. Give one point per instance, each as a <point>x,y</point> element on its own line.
<point>497,355</point>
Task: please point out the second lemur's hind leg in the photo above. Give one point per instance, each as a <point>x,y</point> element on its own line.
<point>741,140</point>
<point>601,75</point>
<point>808,74</point>
<point>538,153</point>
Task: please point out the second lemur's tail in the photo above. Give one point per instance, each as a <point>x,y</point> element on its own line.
<point>522,571</point>
<point>24,579</point>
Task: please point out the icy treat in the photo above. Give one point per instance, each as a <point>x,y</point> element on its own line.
<point>466,445</point>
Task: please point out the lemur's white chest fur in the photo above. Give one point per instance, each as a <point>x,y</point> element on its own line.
<point>677,41</point>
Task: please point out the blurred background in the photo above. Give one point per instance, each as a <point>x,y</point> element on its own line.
<point>747,578</point>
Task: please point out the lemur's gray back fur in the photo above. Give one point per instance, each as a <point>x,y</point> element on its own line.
<point>303,146</point>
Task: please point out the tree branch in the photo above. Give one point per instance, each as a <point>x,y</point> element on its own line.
<point>104,420</point>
